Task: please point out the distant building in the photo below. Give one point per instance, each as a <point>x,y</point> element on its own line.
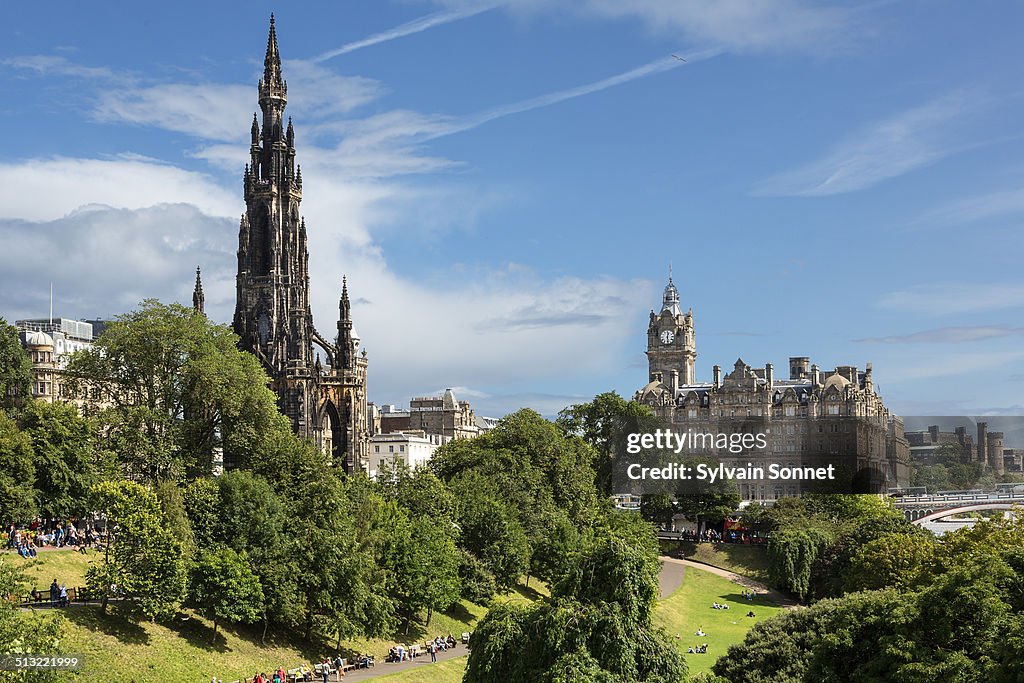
<point>810,417</point>
<point>443,415</point>
<point>986,447</point>
<point>925,443</point>
<point>409,449</point>
<point>67,335</point>
<point>49,344</point>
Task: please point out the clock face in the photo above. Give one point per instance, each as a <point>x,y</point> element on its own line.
<point>667,336</point>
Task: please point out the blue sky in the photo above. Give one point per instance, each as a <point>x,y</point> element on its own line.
<point>505,183</point>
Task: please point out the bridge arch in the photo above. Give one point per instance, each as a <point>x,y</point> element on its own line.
<point>930,516</point>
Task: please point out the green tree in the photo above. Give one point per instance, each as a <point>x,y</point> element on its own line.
<point>180,391</point>
<point>175,517</point>
<point>705,502</point>
<point>250,518</point>
<point>791,557</point>
<point>658,508</point>
<point>596,626</point>
<point>15,370</point>
<point>143,560</point>
<point>225,589</point>
<point>66,462</point>
<point>25,633</point>
<point>17,473</point>
<point>603,423</point>
<point>896,560</point>
<point>427,576</point>
<point>202,505</point>
<point>932,477</point>
<point>491,529</point>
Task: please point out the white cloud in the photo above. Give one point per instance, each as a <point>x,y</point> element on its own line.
<point>955,298</point>
<point>223,111</point>
<point>949,335</point>
<point>56,65</point>
<point>882,150</point>
<point>103,260</point>
<point>417,25</point>
<point>213,111</point>
<point>735,25</point>
<point>981,207</point>
<point>940,365</point>
<point>46,189</point>
<point>740,25</point>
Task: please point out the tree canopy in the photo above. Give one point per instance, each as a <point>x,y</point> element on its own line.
<point>179,391</point>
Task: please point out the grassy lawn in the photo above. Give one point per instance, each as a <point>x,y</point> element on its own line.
<point>690,607</point>
<point>121,647</point>
<point>748,560</point>
<point>67,566</point>
<point>449,671</point>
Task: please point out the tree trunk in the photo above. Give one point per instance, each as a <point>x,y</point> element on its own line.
<point>430,614</point>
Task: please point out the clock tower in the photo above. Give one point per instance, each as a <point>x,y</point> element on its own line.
<point>671,351</point>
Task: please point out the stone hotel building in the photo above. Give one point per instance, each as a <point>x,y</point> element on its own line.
<point>811,416</point>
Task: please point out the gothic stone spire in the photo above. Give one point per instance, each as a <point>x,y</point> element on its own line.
<point>198,299</point>
<point>346,348</point>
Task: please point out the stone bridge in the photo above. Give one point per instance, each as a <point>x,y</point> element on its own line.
<point>921,509</point>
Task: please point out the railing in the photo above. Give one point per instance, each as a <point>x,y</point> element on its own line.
<point>962,498</point>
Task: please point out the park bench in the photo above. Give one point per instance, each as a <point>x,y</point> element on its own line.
<point>318,672</point>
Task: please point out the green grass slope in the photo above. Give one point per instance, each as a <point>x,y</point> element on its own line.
<point>689,608</point>
<point>749,560</point>
<point>120,647</point>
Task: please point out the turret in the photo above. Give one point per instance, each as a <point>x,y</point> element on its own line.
<point>346,349</point>
<point>198,299</point>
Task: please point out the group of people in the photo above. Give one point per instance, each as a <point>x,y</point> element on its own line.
<point>701,649</point>
<point>440,644</point>
<point>304,672</point>
<point>716,605</point>
<point>711,535</point>
<point>58,595</point>
<point>53,533</point>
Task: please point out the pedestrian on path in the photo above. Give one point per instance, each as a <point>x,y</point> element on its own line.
<point>433,652</point>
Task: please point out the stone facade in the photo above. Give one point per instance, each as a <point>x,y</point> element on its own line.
<point>443,416</point>
<point>325,402</point>
<point>811,416</point>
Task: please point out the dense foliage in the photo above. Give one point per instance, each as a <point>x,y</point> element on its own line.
<point>15,370</point>
<point>596,626</point>
<point>941,610</point>
<point>178,391</point>
<point>22,634</point>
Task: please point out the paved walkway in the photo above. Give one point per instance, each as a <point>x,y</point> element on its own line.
<point>781,598</point>
<point>384,668</point>
<point>671,577</point>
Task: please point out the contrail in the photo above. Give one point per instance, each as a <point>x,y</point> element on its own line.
<point>407,29</point>
<point>654,67</point>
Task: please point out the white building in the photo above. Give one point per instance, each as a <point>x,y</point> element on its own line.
<point>68,335</point>
<point>412,449</point>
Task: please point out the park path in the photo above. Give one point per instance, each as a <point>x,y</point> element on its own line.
<point>385,668</point>
<point>745,581</point>
<point>670,577</point>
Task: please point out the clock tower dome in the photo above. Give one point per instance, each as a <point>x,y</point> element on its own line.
<point>671,351</point>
